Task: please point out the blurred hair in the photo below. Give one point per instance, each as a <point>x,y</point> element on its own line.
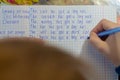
<point>29,60</point>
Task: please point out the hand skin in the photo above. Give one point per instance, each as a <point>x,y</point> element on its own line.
<point>109,47</point>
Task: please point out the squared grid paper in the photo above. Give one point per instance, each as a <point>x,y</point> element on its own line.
<point>11,23</point>
<point>66,27</point>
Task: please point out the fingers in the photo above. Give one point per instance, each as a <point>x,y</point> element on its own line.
<point>101,45</point>
<point>104,25</point>
<point>97,42</point>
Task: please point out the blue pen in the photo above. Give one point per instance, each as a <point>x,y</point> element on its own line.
<point>108,32</point>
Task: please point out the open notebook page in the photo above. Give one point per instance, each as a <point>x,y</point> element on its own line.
<point>64,26</point>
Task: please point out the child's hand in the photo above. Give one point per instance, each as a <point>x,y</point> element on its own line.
<point>111,46</point>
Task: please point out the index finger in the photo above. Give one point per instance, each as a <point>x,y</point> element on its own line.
<point>104,25</point>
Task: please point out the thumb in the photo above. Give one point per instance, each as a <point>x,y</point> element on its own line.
<point>97,42</point>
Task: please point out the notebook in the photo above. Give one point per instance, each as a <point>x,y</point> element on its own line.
<point>66,27</point>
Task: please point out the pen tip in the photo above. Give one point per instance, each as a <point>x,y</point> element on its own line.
<point>88,37</point>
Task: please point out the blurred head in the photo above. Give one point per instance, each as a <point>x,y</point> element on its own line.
<point>29,59</point>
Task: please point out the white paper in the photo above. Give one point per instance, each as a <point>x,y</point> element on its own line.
<point>64,26</point>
